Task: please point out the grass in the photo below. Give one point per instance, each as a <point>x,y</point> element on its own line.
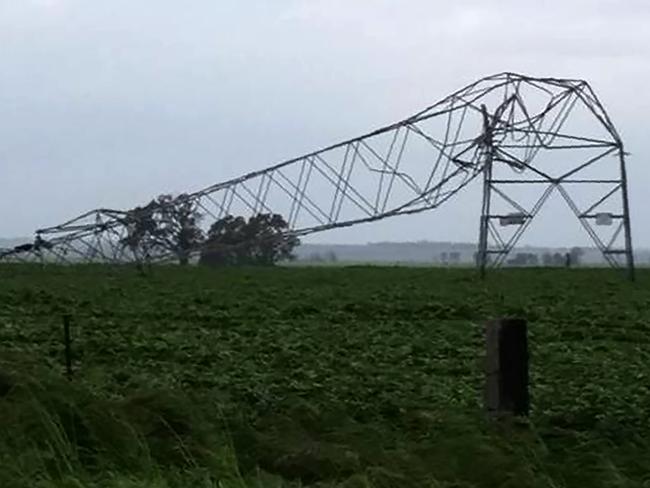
<point>317,377</point>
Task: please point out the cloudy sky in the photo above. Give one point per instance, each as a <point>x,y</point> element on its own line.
<point>105,104</point>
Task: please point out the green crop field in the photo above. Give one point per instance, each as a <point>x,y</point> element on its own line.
<point>325,376</point>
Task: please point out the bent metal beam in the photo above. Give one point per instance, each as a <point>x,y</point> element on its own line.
<point>510,129</point>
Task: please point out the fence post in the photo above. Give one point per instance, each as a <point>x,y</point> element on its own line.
<point>506,386</point>
<point>68,345</point>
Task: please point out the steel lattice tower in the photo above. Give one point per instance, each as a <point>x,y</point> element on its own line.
<point>542,135</point>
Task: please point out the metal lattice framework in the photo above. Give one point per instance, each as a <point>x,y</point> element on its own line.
<point>544,134</point>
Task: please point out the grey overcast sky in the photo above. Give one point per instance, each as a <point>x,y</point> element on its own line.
<point>108,103</point>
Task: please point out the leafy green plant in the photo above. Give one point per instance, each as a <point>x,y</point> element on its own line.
<point>323,376</point>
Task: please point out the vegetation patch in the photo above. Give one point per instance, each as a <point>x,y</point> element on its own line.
<point>317,377</point>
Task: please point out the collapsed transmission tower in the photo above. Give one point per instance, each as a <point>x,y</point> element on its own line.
<point>542,135</point>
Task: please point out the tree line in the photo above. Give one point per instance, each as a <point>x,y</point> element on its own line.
<point>172,225</point>
<point>548,259</point>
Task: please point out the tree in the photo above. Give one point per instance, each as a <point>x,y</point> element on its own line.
<point>224,245</point>
<point>262,240</point>
<point>141,230</point>
<point>166,223</point>
<point>331,257</point>
<point>315,257</point>
<point>179,224</point>
<point>524,259</point>
<point>576,254</point>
